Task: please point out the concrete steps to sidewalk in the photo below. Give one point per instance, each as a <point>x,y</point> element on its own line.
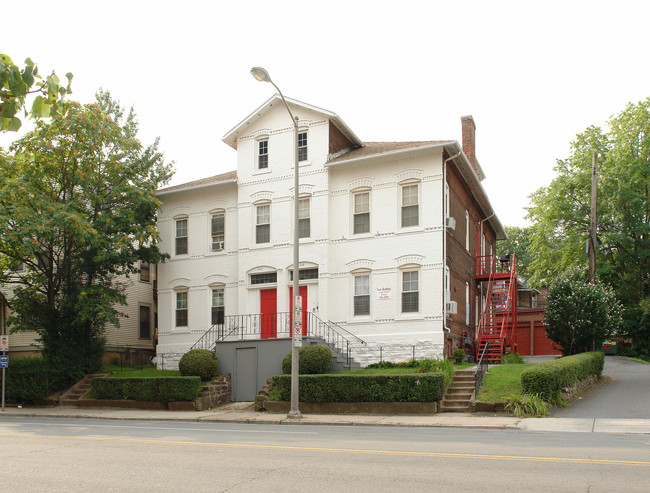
<point>459,394</point>
<point>78,390</point>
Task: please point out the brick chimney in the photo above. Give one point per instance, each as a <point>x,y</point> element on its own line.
<point>469,139</point>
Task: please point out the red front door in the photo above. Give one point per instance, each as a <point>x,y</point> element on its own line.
<point>302,290</point>
<point>268,310</point>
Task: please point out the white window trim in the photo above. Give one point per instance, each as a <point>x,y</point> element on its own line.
<point>356,193</point>
<point>217,212</point>
<point>187,308</point>
<point>258,142</point>
<point>467,303</point>
<point>467,230</point>
<point>308,199</point>
<point>187,235</point>
<point>356,275</point>
<point>401,292</point>
<point>402,186</point>
<point>256,224</point>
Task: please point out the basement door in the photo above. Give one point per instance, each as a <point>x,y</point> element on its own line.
<point>268,311</point>
<point>245,384</point>
<point>302,290</point>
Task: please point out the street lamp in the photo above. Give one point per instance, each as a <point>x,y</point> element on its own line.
<point>263,76</point>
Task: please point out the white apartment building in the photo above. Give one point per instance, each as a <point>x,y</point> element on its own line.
<point>375,235</point>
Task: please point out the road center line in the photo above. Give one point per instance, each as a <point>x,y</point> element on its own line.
<point>346,451</point>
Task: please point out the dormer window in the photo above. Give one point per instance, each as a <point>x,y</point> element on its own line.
<point>263,154</point>
<point>302,146</point>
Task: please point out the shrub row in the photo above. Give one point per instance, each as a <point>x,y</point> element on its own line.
<point>547,379</point>
<point>427,387</point>
<point>156,389</point>
<point>28,380</point>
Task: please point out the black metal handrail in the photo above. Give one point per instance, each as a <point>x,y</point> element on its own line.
<point>481,368</point>
<point>278,326</point>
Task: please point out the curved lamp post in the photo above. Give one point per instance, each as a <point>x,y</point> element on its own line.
<point>263,76</point>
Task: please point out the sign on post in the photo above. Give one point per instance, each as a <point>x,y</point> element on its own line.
<point>4,343</point>
<point>4,361</point>
<point>297,321</point>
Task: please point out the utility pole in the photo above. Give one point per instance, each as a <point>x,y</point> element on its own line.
<point>593,230</point>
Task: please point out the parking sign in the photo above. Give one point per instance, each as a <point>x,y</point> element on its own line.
<point>4,343</point>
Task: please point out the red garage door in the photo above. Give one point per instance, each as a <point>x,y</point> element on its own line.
<point>523,338</point>
<point>542,344</point>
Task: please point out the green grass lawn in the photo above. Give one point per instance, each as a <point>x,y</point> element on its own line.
<point>501,381</point>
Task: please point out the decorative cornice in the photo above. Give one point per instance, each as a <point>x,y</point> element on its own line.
<point>414,259</point>
<point>180,282</point>
<point>362,263</point>
<point>409,174</point>
<point>364,181</point>
<point>261,195</point>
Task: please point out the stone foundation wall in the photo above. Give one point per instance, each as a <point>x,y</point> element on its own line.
<point>215,393</point>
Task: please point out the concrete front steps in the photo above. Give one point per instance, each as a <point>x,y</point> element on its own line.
<point>71,396</point>
<point>459,394</point>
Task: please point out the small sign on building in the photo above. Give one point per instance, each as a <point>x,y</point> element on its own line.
<point>384,293</point>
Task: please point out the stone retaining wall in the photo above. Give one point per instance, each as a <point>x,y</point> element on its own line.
<point>218,391</point>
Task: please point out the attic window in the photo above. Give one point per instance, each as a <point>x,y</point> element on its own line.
<point>263,154</point>
<point>302,146</point>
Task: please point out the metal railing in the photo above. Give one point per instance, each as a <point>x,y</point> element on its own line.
<point>481,368</point>
<point>278,326</point>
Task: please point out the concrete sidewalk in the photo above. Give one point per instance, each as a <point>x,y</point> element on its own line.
<point>243,413</point>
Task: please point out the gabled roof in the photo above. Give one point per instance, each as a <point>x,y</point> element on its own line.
<point>230,177</point>
<point>231,137</point>
<point>374,149</point>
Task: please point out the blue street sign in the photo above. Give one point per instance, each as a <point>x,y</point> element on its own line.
<point>4,361</point>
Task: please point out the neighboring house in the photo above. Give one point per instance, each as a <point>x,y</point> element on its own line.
<point>389,235</point>
<point>531,333</point>
<point>137,330</point>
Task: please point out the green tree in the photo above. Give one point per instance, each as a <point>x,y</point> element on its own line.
<point>560,214</point>
<point>16,84</point>
<point>78,204</point>
<point>579,314</point>
<point>518,242</point>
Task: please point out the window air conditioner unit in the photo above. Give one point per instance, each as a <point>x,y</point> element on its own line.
<point>451,307</point>
<point>217,245</point>
<point>450,222</point>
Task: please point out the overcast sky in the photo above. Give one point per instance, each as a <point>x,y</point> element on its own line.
<point>533,74</point>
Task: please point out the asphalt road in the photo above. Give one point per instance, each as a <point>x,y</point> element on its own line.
<point>46,454</point>
<point>627,395</point>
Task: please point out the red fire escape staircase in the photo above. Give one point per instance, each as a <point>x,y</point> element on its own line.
<point>497,326</point>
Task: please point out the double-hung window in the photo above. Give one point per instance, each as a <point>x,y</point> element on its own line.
<point>263,154</point>
<point>410,205</point>
<point>302,146</point>
<point>362,295</point>
<point>410,291</point>
<point>181,236</point>
<point>361,214</point>
<point>218,231</point>
<point>263,224</point>
<point>217,306</point>
<point>181,309</point>
<point>145,322</point>
<point>304,221</point>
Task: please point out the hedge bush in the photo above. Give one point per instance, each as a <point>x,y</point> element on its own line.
<point>200,363</point>
<point>459,356</point>
<point>156,389</point>
<point>28,380</point>
<point>547,379</point>
<point>423,387</point>
<point>311,360</point>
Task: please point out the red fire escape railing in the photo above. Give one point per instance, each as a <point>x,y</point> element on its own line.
<point>498,322</point>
